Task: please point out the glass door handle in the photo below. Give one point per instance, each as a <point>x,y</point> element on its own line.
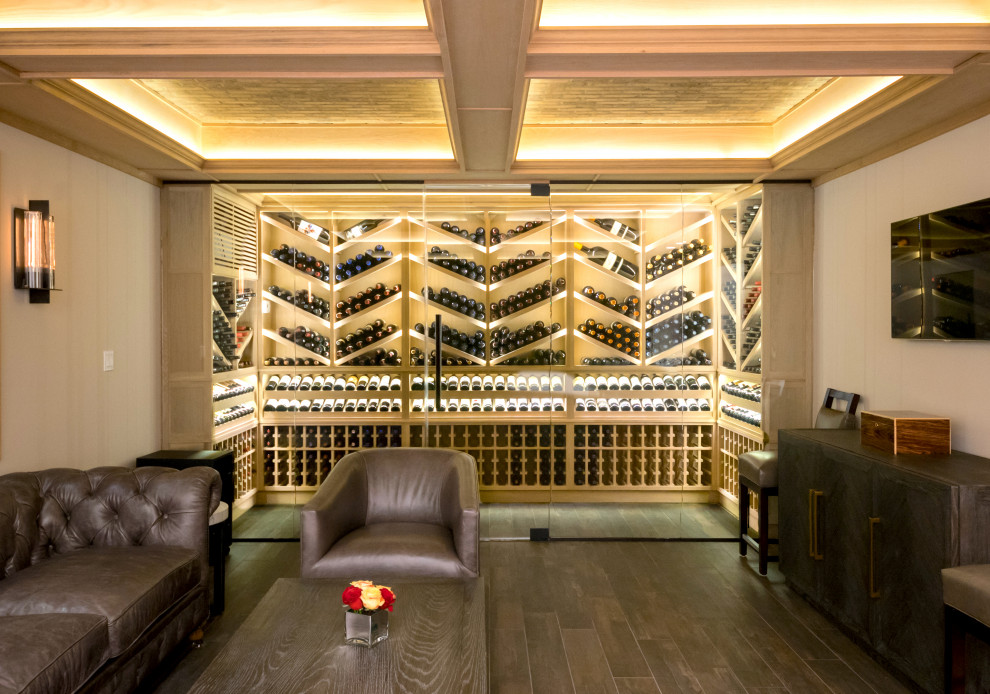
<point>438,374</point>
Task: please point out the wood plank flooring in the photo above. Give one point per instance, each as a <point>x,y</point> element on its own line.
<point>617,617</point>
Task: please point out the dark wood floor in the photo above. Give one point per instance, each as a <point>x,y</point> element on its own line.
<point>617,617</point>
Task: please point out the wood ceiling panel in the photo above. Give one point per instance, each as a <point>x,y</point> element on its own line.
<point>303,101</point>
<point>666,101</point>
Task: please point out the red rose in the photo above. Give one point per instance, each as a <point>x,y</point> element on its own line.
<point>389,598</point>
<point>352,597</point>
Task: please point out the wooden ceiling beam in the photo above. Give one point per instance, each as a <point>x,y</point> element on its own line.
<point>723,51</point>
<point>190,41</point>
<point>888,38</point>
<point>628,65</point>
<point>222,52</point>
<point>486,43</point>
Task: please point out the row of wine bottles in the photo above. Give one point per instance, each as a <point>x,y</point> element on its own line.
<point>362,262</point>
<point>334,405</point>
<point>668,301</point>
<point>302,261</point>
<point>223,335</point>
<point>307,339</point>
<point>619,336</point>
<point>477,236</point>
<point>628,307</point>
<point>363,337</point>
<point>643,382</point>
<point>329,382</point>
<point>696,357</point>
<point>527,297</point>
<point>741,389</point>
<point>378,357</point>
<point>749,259</point>
<point>642,405</point>
<point>303,299</point>
<point>232,413</point>
<point>451,261</point>
<point>491,382</point>
<point>364,300</point>
<point>512,266</point>
<point>459,303</point>
<point>504,340</point>
<point>741,413</point>
<point>417,358</point>
<point>497,236</point>
<point>537,357</point>
<point>231,389</point>
<point>452,337</point>
<point>671,261</point>
<point>491,405</point>
<point>673,331</point>
<point>337,436</point>
<point>292,361</point>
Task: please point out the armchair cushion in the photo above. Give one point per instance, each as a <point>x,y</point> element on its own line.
<point>415,508</point>
<point>393,550</point>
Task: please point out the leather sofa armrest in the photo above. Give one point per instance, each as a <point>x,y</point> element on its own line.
<point>339,506</point>
<point>185,500</point>
<point>461,510</point>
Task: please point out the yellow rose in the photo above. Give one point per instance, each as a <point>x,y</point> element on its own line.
<point>362,584</point>
<point>372,598</point>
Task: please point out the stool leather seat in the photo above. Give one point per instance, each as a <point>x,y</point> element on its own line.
<point>759,467</point>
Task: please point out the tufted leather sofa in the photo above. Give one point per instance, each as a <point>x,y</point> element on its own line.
<point>394,512</point>
<point>102,573</point>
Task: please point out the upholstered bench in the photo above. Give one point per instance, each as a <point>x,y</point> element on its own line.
<point>966,595</point>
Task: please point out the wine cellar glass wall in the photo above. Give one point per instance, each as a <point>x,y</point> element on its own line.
<point>594,351</point>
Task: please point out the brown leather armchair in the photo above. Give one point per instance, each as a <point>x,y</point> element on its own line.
<point>394,512</point>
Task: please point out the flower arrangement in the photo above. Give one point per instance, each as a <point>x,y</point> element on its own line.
<point>364,597</point>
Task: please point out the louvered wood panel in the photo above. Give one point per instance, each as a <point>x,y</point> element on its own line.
<point>235,244</point>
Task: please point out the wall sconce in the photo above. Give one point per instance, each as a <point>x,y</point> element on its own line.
<point>34,251</point>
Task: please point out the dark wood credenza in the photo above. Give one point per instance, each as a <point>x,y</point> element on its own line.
<point>864,535</point>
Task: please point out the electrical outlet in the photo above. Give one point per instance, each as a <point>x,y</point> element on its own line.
<point>108,360</point>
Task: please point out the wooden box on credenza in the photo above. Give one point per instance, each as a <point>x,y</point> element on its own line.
<point>903,432</point>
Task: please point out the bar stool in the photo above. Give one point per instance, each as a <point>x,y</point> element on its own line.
<point>966,596</point>
<point>758,472</point>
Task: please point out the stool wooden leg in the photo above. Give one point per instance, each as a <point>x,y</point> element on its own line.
<point>955,651</point>
<point>763,527</point>
<point>743,518</point>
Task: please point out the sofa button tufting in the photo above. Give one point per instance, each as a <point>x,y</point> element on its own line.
<point>164,515</point>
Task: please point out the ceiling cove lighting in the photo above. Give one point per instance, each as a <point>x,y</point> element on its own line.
<point>72,14</point>
<point>643,13</point>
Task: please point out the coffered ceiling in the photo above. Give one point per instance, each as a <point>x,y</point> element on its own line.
<point>473,89</point>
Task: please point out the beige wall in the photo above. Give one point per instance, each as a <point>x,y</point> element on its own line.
<point>853,347</point>
<point>57,405</point>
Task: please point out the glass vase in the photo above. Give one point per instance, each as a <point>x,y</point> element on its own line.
<point>365,629</point>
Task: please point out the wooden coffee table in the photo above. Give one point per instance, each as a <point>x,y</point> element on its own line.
<point>293,642</point>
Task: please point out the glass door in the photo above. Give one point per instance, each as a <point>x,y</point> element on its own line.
<point>640,433</point>
<point>487,312</point>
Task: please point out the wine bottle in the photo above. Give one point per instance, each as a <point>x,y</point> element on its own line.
<point>617,228</point>
<point>608,260</point>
